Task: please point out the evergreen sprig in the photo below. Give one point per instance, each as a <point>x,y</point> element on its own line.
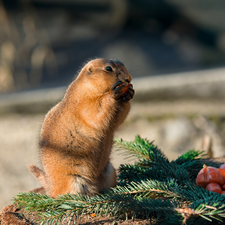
<point>153,187</point>
<point>140,148</point>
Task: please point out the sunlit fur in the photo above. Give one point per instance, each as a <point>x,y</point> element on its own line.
<point>77,134</point>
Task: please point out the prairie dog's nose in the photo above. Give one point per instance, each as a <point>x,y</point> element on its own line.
<point>126,78</point>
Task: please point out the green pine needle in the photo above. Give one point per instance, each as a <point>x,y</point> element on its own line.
<point>140,148</point>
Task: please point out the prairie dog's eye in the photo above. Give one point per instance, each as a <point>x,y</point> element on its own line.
<point>109,68</point>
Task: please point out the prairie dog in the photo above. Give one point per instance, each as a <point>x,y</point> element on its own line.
<point>77,134</point>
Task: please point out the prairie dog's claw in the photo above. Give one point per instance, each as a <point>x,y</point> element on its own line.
<point>121,92</point>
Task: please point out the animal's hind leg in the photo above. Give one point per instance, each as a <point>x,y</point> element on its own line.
<point>84,186</point>
<point>108,178</point>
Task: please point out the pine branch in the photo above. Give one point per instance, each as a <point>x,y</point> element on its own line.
<point>66,207</point>
<point>211,211</point>
<point>108,204</point>
<point>140,148</point>
<point>158,168</point>
<point>153,187</point>
<point>189,156</point>
<point>135,198</point>
<point>149,188</point>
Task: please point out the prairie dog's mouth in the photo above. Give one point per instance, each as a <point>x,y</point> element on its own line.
<point>128,85</point>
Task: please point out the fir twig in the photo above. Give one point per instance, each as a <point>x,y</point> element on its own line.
<point>140,148</point>
<point>153,187</point>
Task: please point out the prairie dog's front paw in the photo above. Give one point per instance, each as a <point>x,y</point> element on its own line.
<point>123,92</point>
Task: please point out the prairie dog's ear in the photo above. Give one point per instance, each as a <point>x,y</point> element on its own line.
<point>90,68</point>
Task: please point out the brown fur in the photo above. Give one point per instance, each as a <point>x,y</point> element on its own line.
<point>77,134</point>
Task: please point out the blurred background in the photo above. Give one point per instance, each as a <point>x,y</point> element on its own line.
<point>44,42</point>
<point>175,51</point>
